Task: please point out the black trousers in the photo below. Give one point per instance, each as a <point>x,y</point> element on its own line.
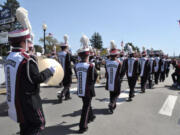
<point>162,76</point>
<point>174,77</point>
<point>132,84</point>
<point>65,92</point>
<point>143,83</point>
<point>150,79</point>
<point>156,77</point>
<point>67,84</point>
<point>86,113</point>
<point>113,99</point>
<point>33,125</point>
<point>167,72</point>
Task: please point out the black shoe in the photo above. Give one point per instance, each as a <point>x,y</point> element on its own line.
<point>142,92</point>
<point>82,130</point>
<point>114,107</point>
<point>129,100</point>
<point>110,110</point>
<point>92,119</point>
<point>133,96</point>
<point>59,98</point>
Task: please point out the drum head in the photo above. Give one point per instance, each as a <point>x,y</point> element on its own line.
<point>58,76</point>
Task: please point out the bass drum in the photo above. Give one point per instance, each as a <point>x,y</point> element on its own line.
<point>58,76</point>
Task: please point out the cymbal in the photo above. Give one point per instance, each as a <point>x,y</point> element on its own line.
<point>58,76</point>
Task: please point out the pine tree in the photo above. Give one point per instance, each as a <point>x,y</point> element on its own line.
<point>96,41</point>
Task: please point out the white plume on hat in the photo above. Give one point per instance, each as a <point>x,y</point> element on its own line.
<point>84,44</point>
<point>91,49</point>
<point>22,17</point>
<point>112,45</point>
<point>66,37</point>
<point>108,51</point>
<point>130,49</point>
<point>84,40</point>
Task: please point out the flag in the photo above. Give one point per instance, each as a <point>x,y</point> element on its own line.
<point>50,34</point>
<point>179,22</point>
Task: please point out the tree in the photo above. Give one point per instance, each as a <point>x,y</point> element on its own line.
<point>4,49</point>
<point>38,48</point>
<point>13,5</point>
<point>135,48</point>
<point>104,52</point>
<point>96,41</point>
<point>49,41</point>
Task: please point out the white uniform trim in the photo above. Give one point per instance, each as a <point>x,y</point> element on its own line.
<point>157,59</point>
<point>28,74</point>
<point>142,64</point>
<point>111,67</point>
<point>151,60</point>
<point>82,69</point>
<point>62,58</point>
<point>11,67</point>
<point>130,66</point>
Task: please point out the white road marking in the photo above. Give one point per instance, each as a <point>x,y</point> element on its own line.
<point>168,105</point>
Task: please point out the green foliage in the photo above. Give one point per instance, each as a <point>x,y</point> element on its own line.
<point>49,41</point>
<point>96,41</point>
<point>4,49</point>
<point>104,52</point>
<point>38,48</point>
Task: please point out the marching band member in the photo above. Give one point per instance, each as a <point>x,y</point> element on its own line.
<point>91,55</point>
<point>121,56</point>
<point>98,65</point>
<point>144,69</point>
<point>167,66</point>
<point>64,57</point>
<point>23,80</point>
<point>157,68</point>
<point>163,68</point>
<point>113,76</point>
<point>152,65</point>
<point>131,69</point>
<point>86,78</point>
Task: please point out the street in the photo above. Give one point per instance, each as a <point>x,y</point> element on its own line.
<point>155,112</point>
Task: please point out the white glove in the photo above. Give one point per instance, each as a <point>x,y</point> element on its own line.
<point>52,69</point>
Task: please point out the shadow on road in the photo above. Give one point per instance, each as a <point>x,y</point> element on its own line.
<point>103,111</point>
<point>60,129</point>
<point>3,109</point>
<point>119,100</point>
<point>50,101</point>
<point>171,87</point>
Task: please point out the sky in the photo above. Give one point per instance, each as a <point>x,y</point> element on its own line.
<point>148,23</point>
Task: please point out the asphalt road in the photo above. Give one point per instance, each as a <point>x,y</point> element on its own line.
<point>156,112</point>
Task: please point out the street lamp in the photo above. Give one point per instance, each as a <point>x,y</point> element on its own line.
<point>44,26</point>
